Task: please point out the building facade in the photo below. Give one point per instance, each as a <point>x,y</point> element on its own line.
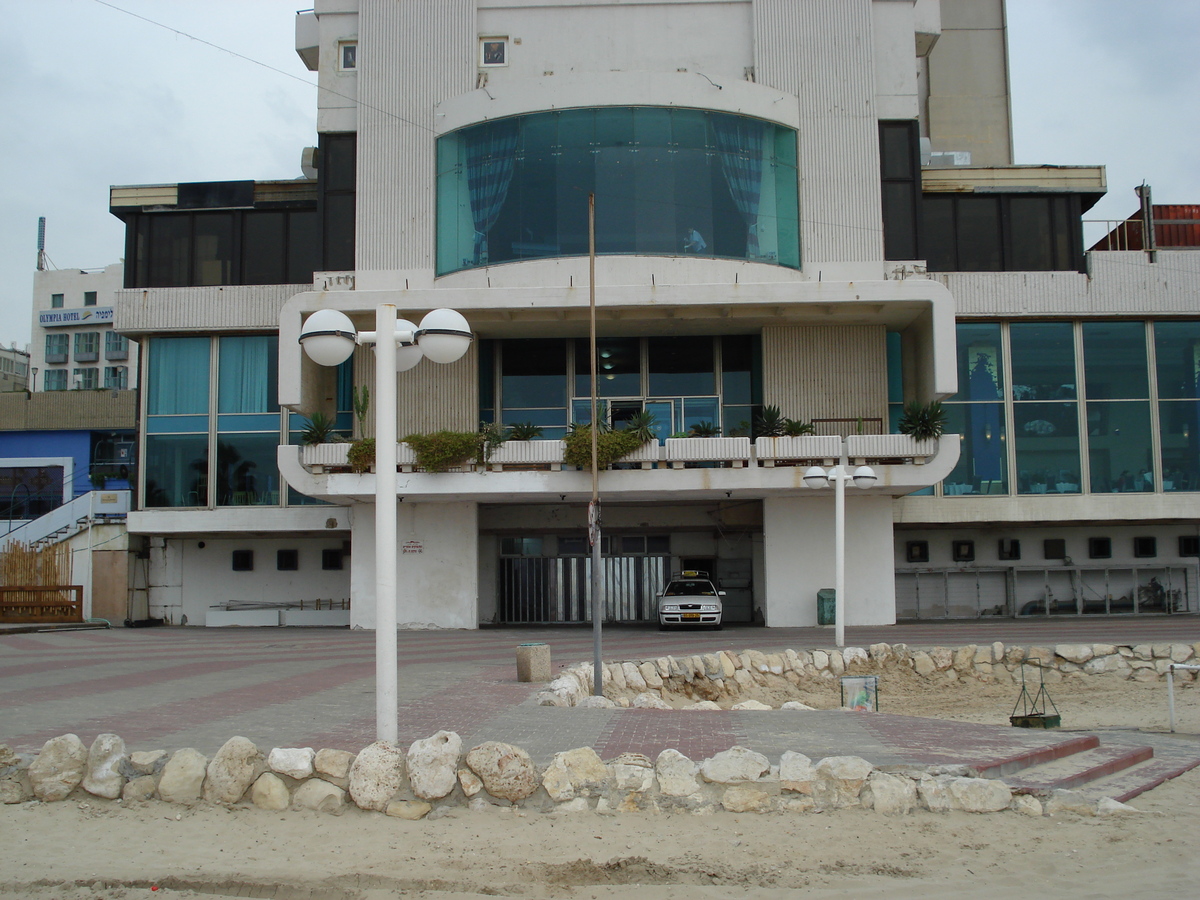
<point>802,208</point>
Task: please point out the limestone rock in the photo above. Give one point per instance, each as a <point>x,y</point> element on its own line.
<point>979,795</point>
<point>820,659</point>
<point>934,793</point>
<point>575,773</point>
<point>838,781</point>
<point>649,673</point>
<point>751,705</point>
<point>614,676</point>
<point>408,809</point>
<point>943,657</point>
<point>104,778</point>
<point>506,771</point>
<point>676,774</point>
<point>633,773</point>
<point>270,792</point>
<point>1027,805</point>
<point>144,762</point>
<point>701,705</point>
<point>143,787</point>
<point>728,664</point>
<point>775,664</point>
<point>1040,656</point>
<point>923,664</point>
<point>964,659</point>
<point>1014,656</point>
<point>579,804</point>
<point>433,765</point>
<point>647,700</point>
<point>633,677</point>
<point>742,798</point>
<point>377,775</point>
<point>232,770</point>
<point>889,795</point>
<point>8,757</point>
<point>58,768</point>
<point>796,704</point>
<point>294,762</point>
<point>1073,802</point>
<point>319,796</point>
<point>1181,653</point>
<point>15,791</point>
<point>881,653</point>
<point>837,663</point>
<point>1102,665</point>
<point>796,773</point>
<point>737,765</point>
<point>471,785</point>
<point>1161,651</point>
<point>334,766</point>
<point>1076,653</point>
<point>592,701</point>
<point>1107,806</point>
<point>183,776</point>
<point>855,656</point>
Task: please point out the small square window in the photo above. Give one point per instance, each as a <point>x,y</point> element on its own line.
<point>287,560</point>
<point>964,551</point>
<point>1189,545</point>
<point>1054,548</point>
<point>493,51</point>
<point>243,560</point>
<point>1145,547</point>
<point>633,545</point>
<point>348,56</point>
<point>658,544</point>
<point>1010,548</point>
<point>1100,548</point>
<point>89,298</point>
<point>917,551</point>
<point>331,560</point>
<point>572,546</point>
<point>56,301</point>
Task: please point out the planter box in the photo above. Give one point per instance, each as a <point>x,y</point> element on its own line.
<point>319,457</point>
<point>539,454</point>
<point>863,447</point>
<point>647,455</point>
<point>311,618</point>
<point>809,448</point>
<point>734,450</point>
<point>247,618</point>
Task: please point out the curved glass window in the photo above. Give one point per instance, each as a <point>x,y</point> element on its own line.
<point>668,182</point>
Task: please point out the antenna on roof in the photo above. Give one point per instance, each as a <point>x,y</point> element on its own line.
<point>41,262</point>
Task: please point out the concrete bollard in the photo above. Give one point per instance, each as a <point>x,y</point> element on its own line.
<point>533,662</point>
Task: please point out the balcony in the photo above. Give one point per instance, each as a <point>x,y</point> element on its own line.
<point>534,471</point>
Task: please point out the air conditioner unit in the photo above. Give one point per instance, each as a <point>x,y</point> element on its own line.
<point>948,159</point>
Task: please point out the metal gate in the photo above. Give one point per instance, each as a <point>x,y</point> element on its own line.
<point>542,590</point>
<point>952,594</point>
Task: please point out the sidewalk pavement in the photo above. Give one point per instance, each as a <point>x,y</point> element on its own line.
<point>298,687</point>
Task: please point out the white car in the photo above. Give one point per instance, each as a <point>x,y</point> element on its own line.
<point>690,598</point>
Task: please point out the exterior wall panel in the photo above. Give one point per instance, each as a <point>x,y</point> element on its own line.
<point>430,397</point>
<point>204,309</point>
<point>826,371</point>
<point>821,51</point>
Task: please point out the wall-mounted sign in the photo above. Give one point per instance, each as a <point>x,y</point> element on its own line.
<point>86,315</point>
<point>413,547</point>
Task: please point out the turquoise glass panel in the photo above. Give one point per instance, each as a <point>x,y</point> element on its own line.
<point>1047,439</point>
<point>1179,431</point>
<point>250,422</point>
<point>176,424</point>
<point>246,473</point>
<point>1114,361</point>
<point>980,362</point>
<point>176,470</point>
<point>1043,360</point>
<point>1120,453</point>
<point>177,380</point>
<point>982,466</point>
<point>1177,353</point>
<point>247,374</point>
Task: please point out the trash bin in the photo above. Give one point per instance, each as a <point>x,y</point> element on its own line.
<point>533,662</point>
<point>827,606</point>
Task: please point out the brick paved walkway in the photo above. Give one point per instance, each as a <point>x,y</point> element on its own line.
<point>180,687</point>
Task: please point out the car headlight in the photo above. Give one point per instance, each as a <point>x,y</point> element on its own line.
<point>671,608</point>
<point>709,607</point>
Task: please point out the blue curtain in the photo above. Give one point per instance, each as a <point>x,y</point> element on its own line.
<point>178,377</point>
<point>490,158</point>
<point>740,142</point>
<point>246,375</point>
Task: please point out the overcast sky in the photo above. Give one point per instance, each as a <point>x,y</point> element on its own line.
<point>93,97</point>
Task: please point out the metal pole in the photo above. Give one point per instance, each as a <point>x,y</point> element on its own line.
<point>1171,695</point>
<point>594,507</point>
<point>386,726</point>
<point>839,554</point>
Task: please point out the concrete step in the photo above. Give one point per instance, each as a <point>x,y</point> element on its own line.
<point>1126,784</point>
<point>1003,766</point>
<point>1076,769</point>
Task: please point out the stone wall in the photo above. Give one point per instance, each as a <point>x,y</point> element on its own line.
<point>723,676</point>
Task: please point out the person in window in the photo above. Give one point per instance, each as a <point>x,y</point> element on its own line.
<point>693,242</point>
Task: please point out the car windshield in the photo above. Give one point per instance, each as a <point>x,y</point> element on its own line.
<point>689,589</point>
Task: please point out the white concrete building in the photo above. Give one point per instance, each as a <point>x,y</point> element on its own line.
<point>74,346</point>
<point>793,203</point>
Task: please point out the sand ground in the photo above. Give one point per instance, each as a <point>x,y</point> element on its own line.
<point>89,848</point>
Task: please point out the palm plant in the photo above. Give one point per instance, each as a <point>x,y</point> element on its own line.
<point>319,429</point>
<point>923,421</point>
<point>704,430</point>
<point>524,431</point>
<point>641,425</point>
<point>769,422</point>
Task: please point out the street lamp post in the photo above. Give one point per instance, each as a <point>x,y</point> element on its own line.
<point>329,338</point>
<point>816,477</point>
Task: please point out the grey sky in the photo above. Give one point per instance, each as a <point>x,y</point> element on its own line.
<point>94,97</point>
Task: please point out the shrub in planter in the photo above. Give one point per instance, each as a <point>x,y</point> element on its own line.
<point>704,430</point>
<point>319,429</point>
<point>610,446</point>
<point>361,455</point>
<point>524,431</point>
<point>444,450</point>
<point>923,421</point>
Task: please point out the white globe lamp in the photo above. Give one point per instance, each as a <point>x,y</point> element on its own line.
<point>444,335</point>
<point>328,337</point>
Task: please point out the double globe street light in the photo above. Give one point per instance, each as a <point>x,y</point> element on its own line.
<point>817,478</point>
<point>329,338</point>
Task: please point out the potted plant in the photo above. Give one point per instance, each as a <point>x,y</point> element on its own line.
<point>445,450</point>
<point>524,431</point>
<point>611,446</point>
<point>319,429</point>
<point>361,455</point>
<point>923,422</point>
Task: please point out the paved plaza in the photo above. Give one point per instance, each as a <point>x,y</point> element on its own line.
<point>196,687</point>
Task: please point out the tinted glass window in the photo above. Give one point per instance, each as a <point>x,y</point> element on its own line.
<point>263,247</point>
<point>1114,360</point>
<point>1043,360</point>
<point>681,366</point>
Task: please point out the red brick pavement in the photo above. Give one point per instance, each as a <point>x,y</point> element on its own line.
<point>697,735</point>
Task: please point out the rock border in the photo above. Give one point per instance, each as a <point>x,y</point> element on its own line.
<point>641,683</point>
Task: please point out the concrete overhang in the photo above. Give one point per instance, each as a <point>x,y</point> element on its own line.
<point>1090,182</point>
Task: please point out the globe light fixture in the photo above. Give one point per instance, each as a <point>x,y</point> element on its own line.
<point>329,338</point>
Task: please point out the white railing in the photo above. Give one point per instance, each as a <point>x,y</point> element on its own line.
<point>802,448</point>
<point>734,450</point>
<point>68,518</point>
<point>548,454</point>
<point>889,446</point>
